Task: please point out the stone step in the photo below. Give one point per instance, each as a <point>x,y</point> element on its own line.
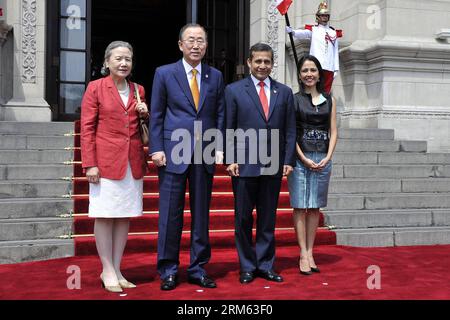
<point>34,189</point>
<point>388,201</point>
<point>36,128</point>
<point>337,171</point>
<point>407,201</point>
<point>358,186</point>
<point>366,134</point>
<point>413,146</point>
<point>34,172</point>
<point>388,237</point>
<point>413,158</point>
<point>426,185</point>
<point>350,145</point>
<point>359,133</point>
<point>35,156</point>
<point>396,171</point>
<point>345,202</point>
<point>35,250</point>
<point>351,219</point>
<point>345,158</point>
<point>19,208</point>
<point>50,207</point>
<point>31,229</point>
<point>17,142</point>
<point>374,185</point>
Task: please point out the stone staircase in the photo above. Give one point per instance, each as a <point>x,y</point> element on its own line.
<point>383,192</point>
<point>388,193</point>
<point>35,208</point>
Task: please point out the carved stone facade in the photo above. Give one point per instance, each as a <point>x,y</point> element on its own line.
<point>29,41</point>
<point>272,34</point>
<point>23,82</point>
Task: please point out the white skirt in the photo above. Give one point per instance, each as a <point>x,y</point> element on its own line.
<point>116,198</point>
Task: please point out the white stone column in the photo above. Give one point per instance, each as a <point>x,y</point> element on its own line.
<point>267,25</point>
<point>6,54</point>
<point>28,103</point>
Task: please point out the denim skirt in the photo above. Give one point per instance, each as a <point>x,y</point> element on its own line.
<point>309,189</point>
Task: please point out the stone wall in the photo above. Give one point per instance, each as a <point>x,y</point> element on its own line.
<point>395,72</point>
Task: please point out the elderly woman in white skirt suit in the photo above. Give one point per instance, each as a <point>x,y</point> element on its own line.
<point>113,158</point>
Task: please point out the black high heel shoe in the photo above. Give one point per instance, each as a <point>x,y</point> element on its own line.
<point>305,273</point>
<point>316,270</point>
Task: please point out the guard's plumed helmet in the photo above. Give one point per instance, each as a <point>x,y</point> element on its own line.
<point>323,8</point>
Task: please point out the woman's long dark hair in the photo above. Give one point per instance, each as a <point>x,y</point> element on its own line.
<point>320,83</point>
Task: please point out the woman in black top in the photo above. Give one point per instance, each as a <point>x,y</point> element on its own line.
<point>316,141</point>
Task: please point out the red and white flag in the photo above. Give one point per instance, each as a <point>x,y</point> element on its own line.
<point>283,6</point>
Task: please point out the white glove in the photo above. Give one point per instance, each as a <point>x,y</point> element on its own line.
<point>289,29</point>
<point>335,75</point>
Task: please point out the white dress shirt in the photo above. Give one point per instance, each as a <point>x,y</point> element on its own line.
<point>188,68</point>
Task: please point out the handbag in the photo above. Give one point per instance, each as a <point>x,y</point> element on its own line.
<point>143,127</point>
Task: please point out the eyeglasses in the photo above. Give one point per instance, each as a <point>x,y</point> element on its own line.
<point>200,42</point>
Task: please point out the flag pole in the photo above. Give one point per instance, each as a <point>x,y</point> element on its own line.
<point>291,37</point>
<point>292,40</point>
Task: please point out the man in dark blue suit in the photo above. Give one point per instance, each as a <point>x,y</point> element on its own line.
<point>187,100</point>
<point>262,150</point>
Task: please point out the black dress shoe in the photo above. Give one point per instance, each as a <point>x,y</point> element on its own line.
<point>203,281</point>
<point>169,282</point>
<point>270,275</point>
<point>315,270</point>
<point>246,277</point>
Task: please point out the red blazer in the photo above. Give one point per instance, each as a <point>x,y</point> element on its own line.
<point>109,131</point>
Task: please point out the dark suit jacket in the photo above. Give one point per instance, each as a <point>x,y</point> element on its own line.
<point>109,131</point>
<point>244,111</point>
<point>172,108</point>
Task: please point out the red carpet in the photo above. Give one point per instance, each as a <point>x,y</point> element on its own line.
<point>143,230</point>
<point>406,272</point>
<point>419,272</point>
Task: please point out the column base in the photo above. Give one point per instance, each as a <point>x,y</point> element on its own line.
<point>26,111</point>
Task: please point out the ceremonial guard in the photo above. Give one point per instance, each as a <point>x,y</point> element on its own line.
<point>324,43</point>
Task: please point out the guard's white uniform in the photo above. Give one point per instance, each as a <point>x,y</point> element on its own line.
<point>324,44</point>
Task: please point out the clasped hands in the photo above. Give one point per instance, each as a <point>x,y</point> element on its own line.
<point>310,164</point>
